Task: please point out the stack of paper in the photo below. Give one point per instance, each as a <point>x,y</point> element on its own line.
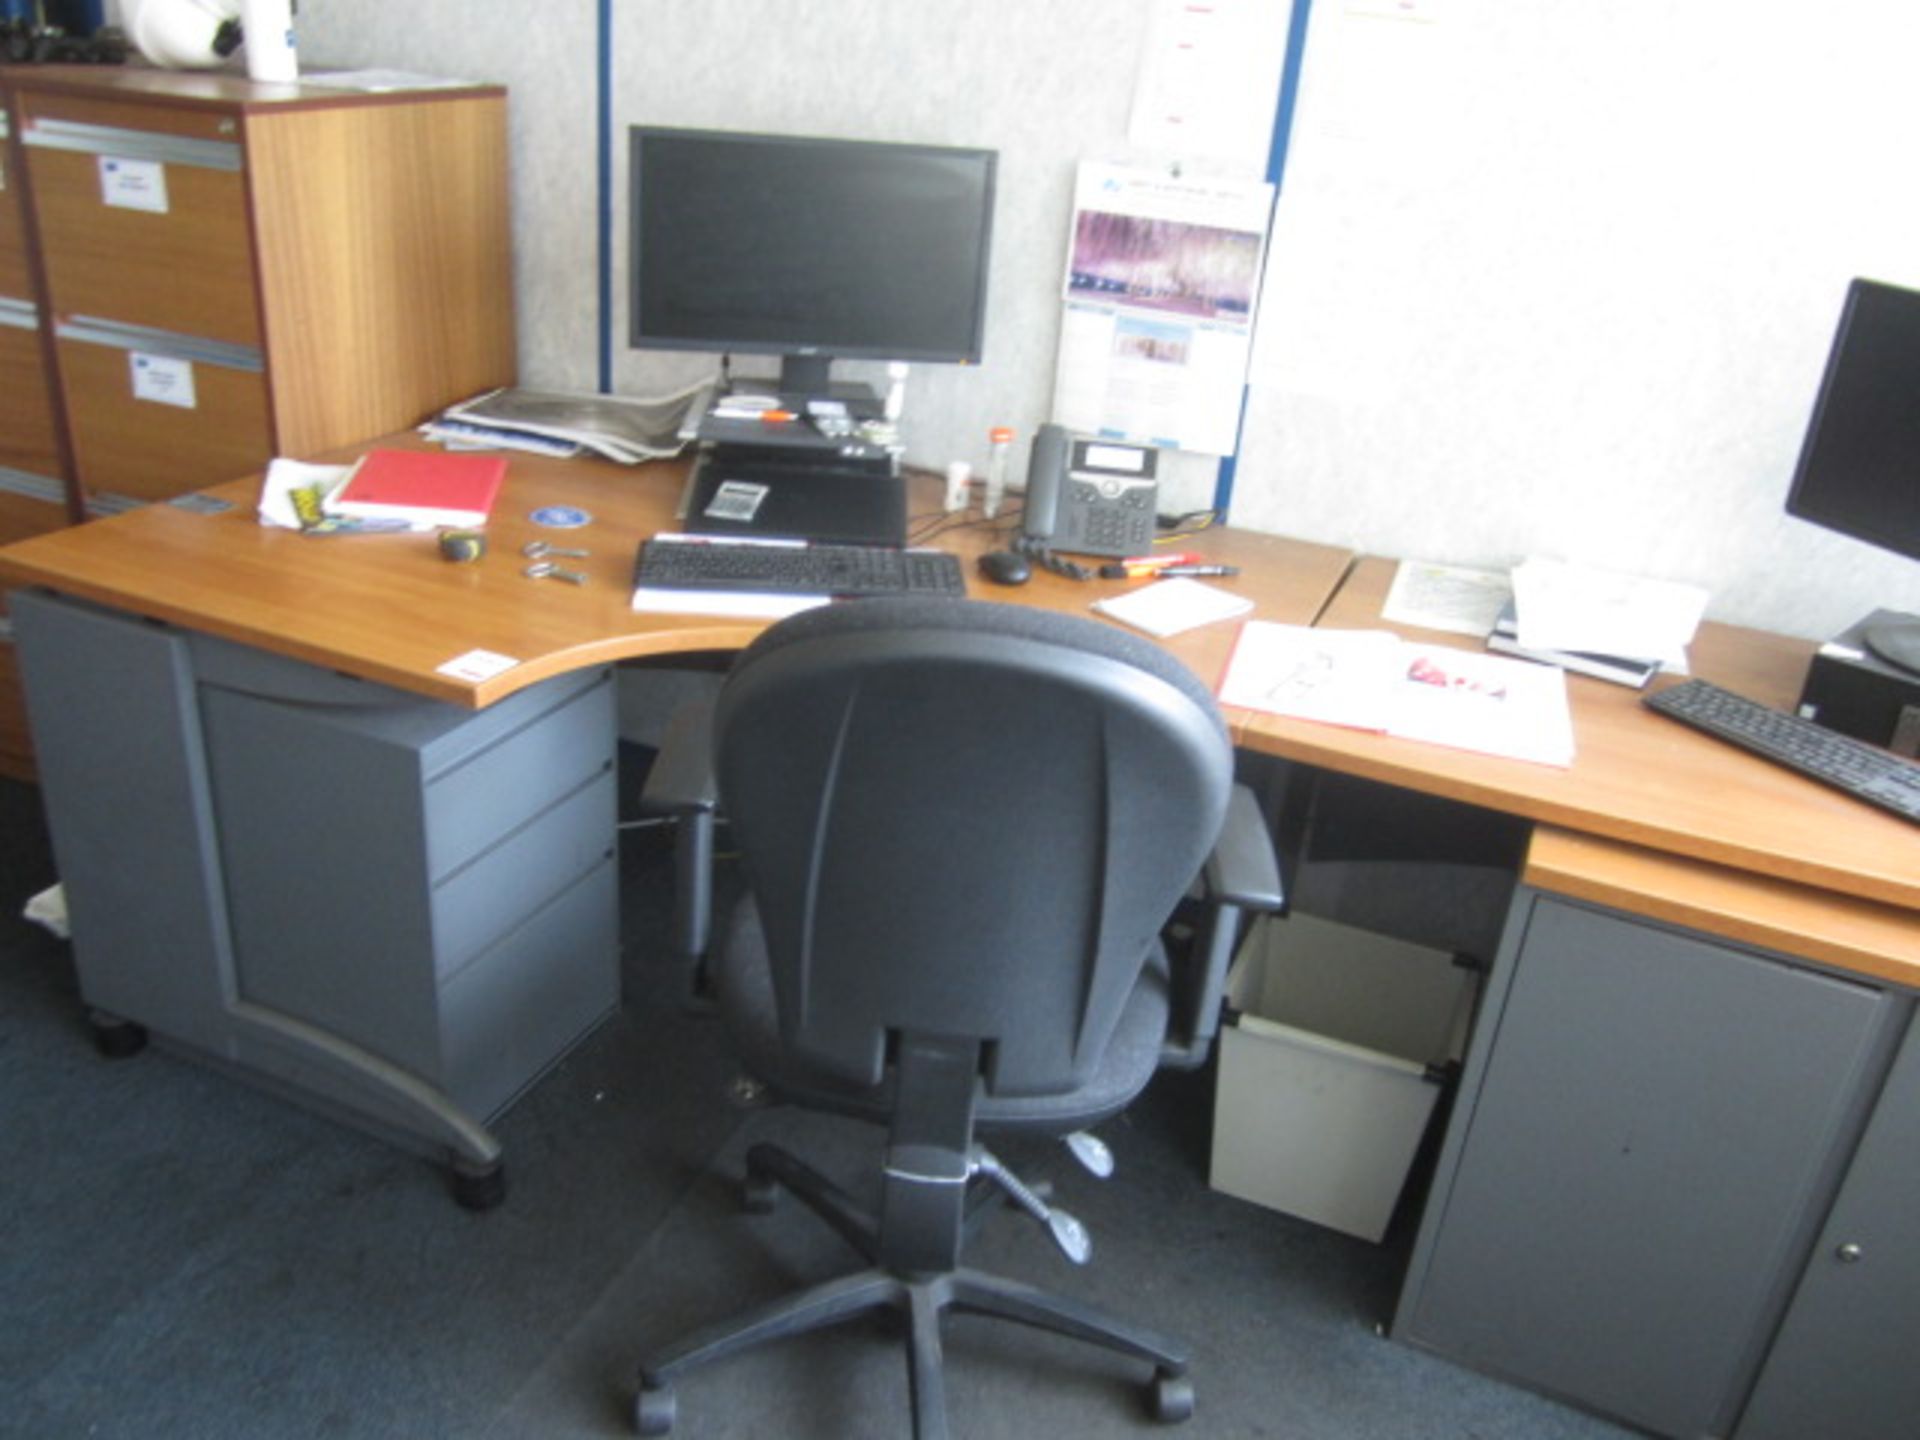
<point>1373,680</point>
<point>1576,609</point>
<point>623,430</point>
<point>294,496</point>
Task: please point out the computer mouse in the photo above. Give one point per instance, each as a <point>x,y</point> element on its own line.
<point>1004,567</point>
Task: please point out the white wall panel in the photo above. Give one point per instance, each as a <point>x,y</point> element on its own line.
<point>1559,278</point>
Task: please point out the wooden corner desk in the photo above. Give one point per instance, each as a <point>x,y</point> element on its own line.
<point>296,845</point>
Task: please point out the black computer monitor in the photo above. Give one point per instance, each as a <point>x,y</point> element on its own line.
<point>808,249</point>
<point>1859,470</point>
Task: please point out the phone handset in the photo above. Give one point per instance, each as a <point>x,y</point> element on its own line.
<point>1046,474</point>
<point>1046,477</point>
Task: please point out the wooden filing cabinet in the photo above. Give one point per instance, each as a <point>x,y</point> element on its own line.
<point>30,468</point>
<point>232,271</point>
<point>33,492</point>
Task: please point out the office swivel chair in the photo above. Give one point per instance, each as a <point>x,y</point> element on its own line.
<point>963,827</point>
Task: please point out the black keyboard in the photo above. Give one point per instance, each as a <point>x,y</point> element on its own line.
<point>846,570</point>
<point>1864,771</point>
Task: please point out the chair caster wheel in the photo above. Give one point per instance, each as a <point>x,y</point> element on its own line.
<point>653,1409</point>
<point>478,1187</point>
<point>1170,1398</point>
<point>117,1039</point>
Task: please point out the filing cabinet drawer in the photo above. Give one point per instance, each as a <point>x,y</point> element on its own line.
<point>16,745</point>
<point>159,114</point>
<point>27,442</point>
<point>125,211</point>
<point>520,1006</point>
<point>16,282</point>
<point>28,508</point>
<point>150,449</point>
<point>502,887</point>
<point>483,798</point>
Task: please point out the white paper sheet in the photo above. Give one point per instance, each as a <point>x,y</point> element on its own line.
<point>1373,680</point>
<point>1452,598</point>
<point>1209,81</point>
<point>1561,606</point>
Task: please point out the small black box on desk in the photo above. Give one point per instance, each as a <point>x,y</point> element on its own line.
<point>1854,691</point>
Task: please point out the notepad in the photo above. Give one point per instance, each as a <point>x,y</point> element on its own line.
<point>1168,607</point>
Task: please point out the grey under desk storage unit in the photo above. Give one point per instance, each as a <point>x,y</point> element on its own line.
<point>395,908</point>
<point>1652,1125</point>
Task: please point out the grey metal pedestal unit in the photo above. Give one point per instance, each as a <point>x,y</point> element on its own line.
<point>1650,1127</point>
<point>398,909</point>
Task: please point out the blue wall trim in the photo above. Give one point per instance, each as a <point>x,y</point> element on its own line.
<point>603,122</point>
<point>1276,170</point>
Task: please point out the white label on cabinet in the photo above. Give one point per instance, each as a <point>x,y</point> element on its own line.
<point>163,379</point>
<point>133,184</point>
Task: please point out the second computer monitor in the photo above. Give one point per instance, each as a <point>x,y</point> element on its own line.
<point>1859,468</point>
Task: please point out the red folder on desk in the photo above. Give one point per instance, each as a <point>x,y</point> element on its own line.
<point>429,487</point>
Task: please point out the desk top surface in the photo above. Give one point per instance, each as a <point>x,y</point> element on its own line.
<point>1635,776</point>
<point>389,608</point>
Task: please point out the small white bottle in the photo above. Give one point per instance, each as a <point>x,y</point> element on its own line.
<point>999,443</point>
<point>896,391</point>
<point>268,28</point>
<point>959,479</point>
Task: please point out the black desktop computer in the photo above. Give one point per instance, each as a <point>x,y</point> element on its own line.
<point>1854,691</point>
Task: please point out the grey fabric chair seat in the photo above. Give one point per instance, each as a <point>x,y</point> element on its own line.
<point>745,983</point>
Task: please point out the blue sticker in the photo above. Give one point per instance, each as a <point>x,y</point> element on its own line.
<point>560,517</point>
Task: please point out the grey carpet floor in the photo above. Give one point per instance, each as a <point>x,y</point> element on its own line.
<point>182,1255</point>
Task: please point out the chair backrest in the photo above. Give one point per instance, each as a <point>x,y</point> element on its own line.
<point>964,819</point>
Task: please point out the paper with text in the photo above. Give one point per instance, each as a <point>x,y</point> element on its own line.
<point>1373,680</point>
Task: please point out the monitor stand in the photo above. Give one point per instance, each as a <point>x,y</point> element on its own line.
<point>1895,638</point>
<point>740,417</point>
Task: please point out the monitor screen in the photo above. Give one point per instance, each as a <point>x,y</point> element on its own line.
<point>808,249</point>
<point>1859,470</point>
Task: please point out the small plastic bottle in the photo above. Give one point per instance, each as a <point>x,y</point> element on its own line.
<point>896,400</point>
<point>1000,443</point>
<point>269,44</point>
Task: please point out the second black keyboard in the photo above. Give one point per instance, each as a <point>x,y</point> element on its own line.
<point>780,569</point>
<point>1864,771</point>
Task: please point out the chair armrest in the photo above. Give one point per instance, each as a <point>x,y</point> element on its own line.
<point>681,784</point>
<point>681,779</point>
<point>1241,875</point>
<point>1244,869</point>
